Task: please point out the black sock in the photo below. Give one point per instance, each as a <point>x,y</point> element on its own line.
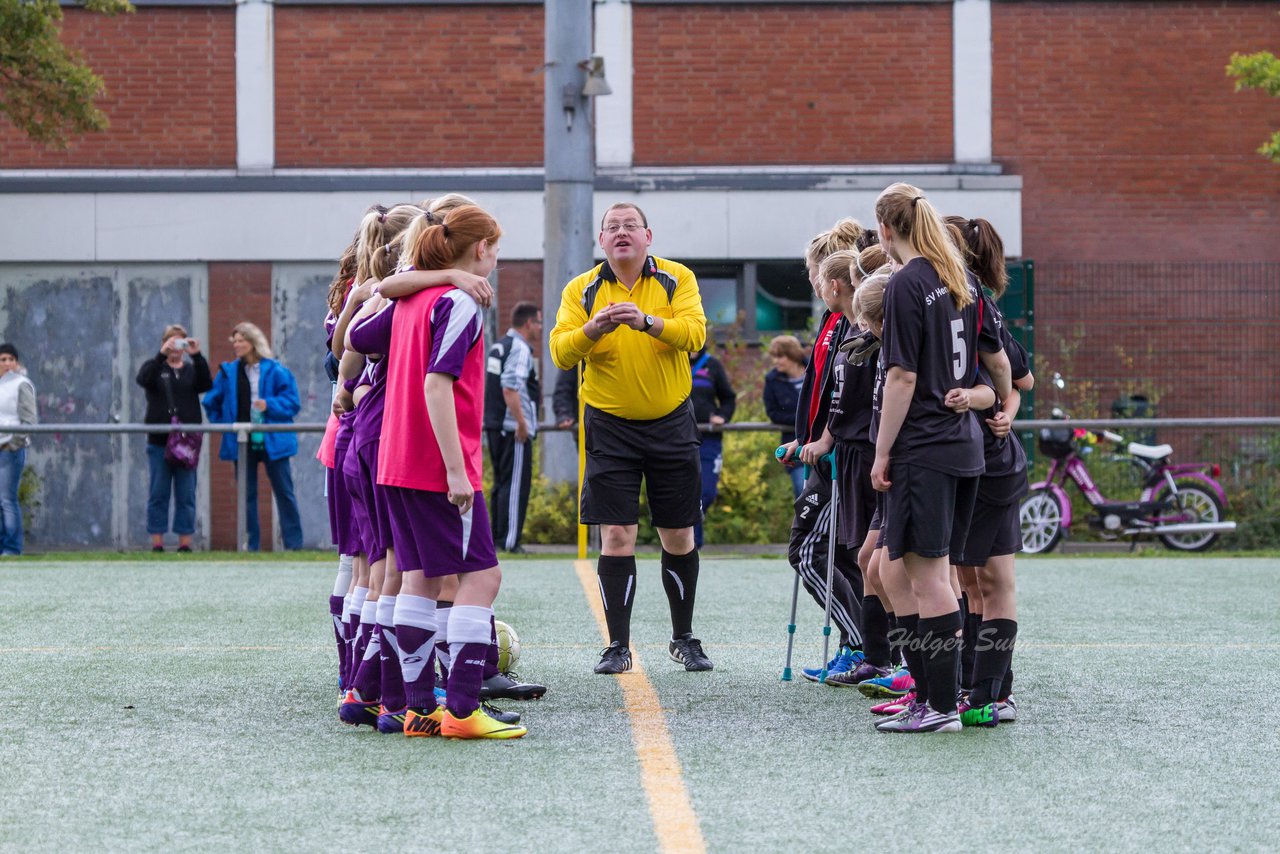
<point>1006,687</point>
<point>680,580</point>
<point>908,628</point>
<point>940,649</point>
<point>895,640</point>
<point>970,638</point>
<point>618,591</point>
<point>875,628</point>
<point>995,651</point>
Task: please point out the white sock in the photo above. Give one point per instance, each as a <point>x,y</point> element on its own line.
<point>468,624</point>
<point>342,584</point>
<point>442,637</point>
<point>358,598</point>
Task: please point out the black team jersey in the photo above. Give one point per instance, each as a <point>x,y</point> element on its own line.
<point>850,416</point>
<point>1005,479</point>
<point>925,334</point>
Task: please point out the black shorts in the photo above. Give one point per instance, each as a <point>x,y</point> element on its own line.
<point>857,499</point>
<point>877,520</point>
<point>663,452</point>
<point>995,530</point>
<point>927,512</point>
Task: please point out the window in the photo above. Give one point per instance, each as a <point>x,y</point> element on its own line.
<point>719,285</point>
<point>784,300</point>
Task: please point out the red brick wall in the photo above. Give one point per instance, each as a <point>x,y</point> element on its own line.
<point>792,84</point>
<point>1129,137</point>
<point>1144,200</point>
<point>408,86</point>
<point>520,281</point>
<point>237,292</point>
<point>170,78</point>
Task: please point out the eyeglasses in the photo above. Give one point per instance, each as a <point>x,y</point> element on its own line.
<point>614,228</point>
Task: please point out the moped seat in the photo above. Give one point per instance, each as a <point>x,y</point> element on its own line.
<point>1150,452</point>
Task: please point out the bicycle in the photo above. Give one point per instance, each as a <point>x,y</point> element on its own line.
<point>1181,503</point>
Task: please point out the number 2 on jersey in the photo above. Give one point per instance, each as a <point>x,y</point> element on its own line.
<point>960,348</point>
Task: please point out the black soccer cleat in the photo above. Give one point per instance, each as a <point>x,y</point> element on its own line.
<point>616,658</point>
<point>687,650</point>
<point>500,715</point>
<point>509,687</point>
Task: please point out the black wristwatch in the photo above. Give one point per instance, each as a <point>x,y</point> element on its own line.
<point>648,323</point>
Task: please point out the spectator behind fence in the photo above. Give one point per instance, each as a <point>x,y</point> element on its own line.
<point>174,380</point>
<point>782,392</point>
<point>512,393</point>
<point>255,387</point>
<point>17,407</point>
<point>713,403</point>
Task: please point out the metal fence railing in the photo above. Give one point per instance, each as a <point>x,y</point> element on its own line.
<point>242,430</point>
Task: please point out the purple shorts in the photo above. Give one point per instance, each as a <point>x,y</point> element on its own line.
<point>373,518</point>
<point>342,522</point>
<point>429,533</point>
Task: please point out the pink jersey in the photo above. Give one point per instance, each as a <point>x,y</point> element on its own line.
<point>437,330</point>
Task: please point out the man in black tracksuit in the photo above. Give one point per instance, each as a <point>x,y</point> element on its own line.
<point>511,393</point>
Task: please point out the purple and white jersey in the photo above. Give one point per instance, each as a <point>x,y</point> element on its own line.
<point>372,336</point>
<point>456,326</point>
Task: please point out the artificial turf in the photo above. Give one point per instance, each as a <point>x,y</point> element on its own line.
<point>190,705</point>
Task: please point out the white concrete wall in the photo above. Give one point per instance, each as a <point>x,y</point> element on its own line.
<point>312,226</point>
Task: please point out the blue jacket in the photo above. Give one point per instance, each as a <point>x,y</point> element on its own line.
<point>276,386</point>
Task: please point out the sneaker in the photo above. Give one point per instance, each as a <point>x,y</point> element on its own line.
<point>500,715</point>
<point>420,724</point>
<point>507,686</point>
<point>391,722</point>
<point>984,716</point>
<point>1007,709</point>
<point>894,685</point>
<point>184,550</point>
<point>852,678</point>
<point>355,711</point>
<point>845,660</point>
<point>921,718</point>
<point>478,724</point>
<point>893,707</point>
<point>616,658</point>
<point>157,549</point>
<point>687,650</point>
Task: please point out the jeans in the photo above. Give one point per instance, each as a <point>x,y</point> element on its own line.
<point>11,465</point>
<point>169,478</point>
<point>281,477</point>
<point>796,473</point>
<point>712,455</point>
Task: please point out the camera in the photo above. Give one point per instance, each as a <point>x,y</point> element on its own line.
<point>180,344</point>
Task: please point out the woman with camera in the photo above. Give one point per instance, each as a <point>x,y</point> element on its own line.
<point>174,380</point>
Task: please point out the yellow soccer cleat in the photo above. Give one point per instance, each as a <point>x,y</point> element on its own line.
<point>478,724</point>
<point>418,725</point>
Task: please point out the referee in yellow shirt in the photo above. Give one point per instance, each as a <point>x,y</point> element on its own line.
<point>633,320</point>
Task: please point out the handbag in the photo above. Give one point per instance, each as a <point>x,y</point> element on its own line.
<point>180,449</point>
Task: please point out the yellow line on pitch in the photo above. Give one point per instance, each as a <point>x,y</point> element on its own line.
<point>674,821</point>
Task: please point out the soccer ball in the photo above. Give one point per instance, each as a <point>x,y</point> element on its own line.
<point>508,646</point>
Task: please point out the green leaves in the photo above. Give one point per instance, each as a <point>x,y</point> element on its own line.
<point>1259,71</point>
<point>46,89</point>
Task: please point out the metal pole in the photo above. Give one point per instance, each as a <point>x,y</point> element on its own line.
<point>242,480</point>
<point>569,158</point>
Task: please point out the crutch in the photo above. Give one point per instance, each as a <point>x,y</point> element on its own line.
<point>831,558</point>
<point>795,595</point>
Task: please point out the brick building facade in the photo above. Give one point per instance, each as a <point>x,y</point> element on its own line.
<point>1103,139</point>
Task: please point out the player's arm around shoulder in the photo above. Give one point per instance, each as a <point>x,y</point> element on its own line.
<point>569,343</point>
<point>686,329</point>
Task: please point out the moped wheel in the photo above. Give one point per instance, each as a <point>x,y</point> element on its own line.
<point>1193,503</point>
<point>1041,518</point>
